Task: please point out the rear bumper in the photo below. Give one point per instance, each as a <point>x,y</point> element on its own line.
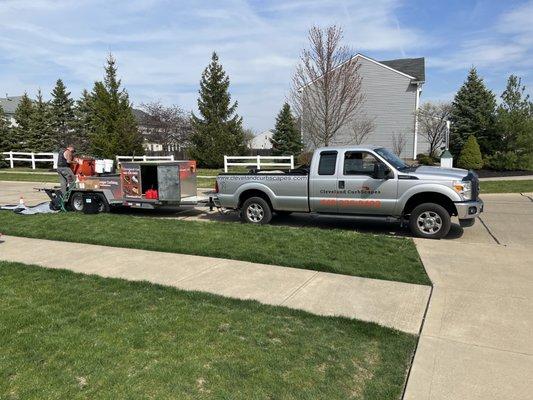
<point>469,209</point>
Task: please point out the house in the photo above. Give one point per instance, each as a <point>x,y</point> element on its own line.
<point>261,141</point>
<point>392,90</point>
<point>9,104</point>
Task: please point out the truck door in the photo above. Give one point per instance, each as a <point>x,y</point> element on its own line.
<point>361,193</point>
<point>323,183</point>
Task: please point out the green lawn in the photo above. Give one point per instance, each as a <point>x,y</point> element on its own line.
<point>506,186</point>
<point>331,250</point>
<point>72,336</point>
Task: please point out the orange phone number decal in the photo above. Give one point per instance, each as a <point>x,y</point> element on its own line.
<point>351,203</point>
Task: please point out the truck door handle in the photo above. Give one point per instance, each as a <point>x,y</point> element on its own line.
<point>341,184</point>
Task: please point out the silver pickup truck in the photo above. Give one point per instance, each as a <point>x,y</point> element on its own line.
<point>360,181</point>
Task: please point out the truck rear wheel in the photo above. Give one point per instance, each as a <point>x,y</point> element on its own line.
<point>430,221</point>
<point>256,210</point>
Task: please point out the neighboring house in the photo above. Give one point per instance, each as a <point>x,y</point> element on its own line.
<point>261,141</point>
<point>9,105</point>
<point>142,122</point>
<point>392,91</point>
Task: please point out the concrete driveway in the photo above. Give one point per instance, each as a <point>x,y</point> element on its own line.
<point>477,339</point>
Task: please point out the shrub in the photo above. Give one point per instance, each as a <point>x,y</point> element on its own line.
<point>506,161</point>
<point>470,157</point>
<point>424,159</point>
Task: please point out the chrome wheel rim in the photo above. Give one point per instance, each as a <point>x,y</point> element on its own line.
<point>429,222</point>
<point>255,212</point>
<point>77,203</point>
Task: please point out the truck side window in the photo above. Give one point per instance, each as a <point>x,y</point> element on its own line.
<point>359,163</point>
<point>326,165</point>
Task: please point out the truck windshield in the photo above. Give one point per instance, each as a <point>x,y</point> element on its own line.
<point>392,158</point>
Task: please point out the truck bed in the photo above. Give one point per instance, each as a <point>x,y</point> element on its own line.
<point>289,190</point>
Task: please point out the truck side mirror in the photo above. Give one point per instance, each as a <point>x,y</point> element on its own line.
<point>380,171</point>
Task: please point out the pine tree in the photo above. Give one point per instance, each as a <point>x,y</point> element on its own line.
<point>6,137</point>
<point>515,117</point>
<point>218,131</point>
<point>286,139</point>
<point>41,137</point>
<point>113,129</point>
<point>473,113</point>
<point>82,125</point>
<point>22,131</point>
<point>62,114</point>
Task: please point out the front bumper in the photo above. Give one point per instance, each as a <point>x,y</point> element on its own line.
<point>469,209</point>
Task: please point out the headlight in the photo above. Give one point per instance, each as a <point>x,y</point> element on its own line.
<point>464,189</point>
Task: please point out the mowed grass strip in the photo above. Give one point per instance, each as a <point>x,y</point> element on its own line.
<point>511,186</point>
<point>72,336</point>
<point>338,251</point>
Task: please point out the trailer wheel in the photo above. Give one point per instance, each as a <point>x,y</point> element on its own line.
<point>76,201</point>
<point>104,205</point>
<point>430,221</point>
<point>256,210</point>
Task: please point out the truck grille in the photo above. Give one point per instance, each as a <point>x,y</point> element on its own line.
<point>475,187</point>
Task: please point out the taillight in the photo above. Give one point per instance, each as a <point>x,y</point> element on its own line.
<point>216,187</point>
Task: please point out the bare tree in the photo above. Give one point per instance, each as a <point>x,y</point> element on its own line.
<point>166,125</point>
<point>326,86</point>
<point>432,119</point>
<point>399,140</point>
<point>361,128</point>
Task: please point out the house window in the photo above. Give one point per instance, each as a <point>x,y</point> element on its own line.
<point>326,165</point>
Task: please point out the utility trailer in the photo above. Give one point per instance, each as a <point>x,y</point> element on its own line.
<point>174,185</point>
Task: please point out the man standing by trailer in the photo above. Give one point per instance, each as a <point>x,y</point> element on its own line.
<point>64,160</point>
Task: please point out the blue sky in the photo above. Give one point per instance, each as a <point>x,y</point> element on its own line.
<point>162,46</point>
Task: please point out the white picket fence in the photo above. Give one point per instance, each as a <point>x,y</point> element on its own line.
<point>32,158</point>
<point>144,158</point>
<point>258,161</point>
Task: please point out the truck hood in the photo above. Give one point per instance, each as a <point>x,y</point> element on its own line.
<point>438,173</point>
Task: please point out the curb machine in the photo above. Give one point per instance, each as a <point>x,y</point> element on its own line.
<point>147,185</point>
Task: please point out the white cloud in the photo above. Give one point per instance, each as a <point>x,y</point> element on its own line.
<point>163,46</point>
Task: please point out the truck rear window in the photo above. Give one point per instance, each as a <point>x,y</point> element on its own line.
<point>326,165</point>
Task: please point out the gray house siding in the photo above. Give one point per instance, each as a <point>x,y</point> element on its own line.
<point>390,102</point>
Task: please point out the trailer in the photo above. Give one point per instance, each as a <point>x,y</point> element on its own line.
<point>145,185</point>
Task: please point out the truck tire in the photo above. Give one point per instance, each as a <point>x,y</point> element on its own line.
<point>256,210</point>
<point>430,221</point>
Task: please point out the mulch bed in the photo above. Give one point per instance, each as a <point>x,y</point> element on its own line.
<point>489,173</point>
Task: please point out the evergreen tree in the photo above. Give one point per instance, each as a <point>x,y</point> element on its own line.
<point>22,131</point>
<point>286,139</point>
<point>515,119</point>
<point>6,137</point>
<point>113,129</point>
<point>41,137</point>
<point>218,131</point>
<point>82,124</point>
<point>470,156</point>
<point>473,113</point>
<point>62,114</point>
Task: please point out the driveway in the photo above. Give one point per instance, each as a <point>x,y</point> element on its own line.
<point>477,338</point>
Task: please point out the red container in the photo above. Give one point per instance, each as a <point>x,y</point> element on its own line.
<point>151,194</point>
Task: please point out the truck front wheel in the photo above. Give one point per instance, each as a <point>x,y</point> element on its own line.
<point>430,221</point>
<point>256,210</point>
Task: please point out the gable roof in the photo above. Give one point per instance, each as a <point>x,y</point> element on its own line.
<point>9,104</point>
<point>414,67</point>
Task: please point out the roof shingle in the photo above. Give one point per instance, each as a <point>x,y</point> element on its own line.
<point>411,66</point>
